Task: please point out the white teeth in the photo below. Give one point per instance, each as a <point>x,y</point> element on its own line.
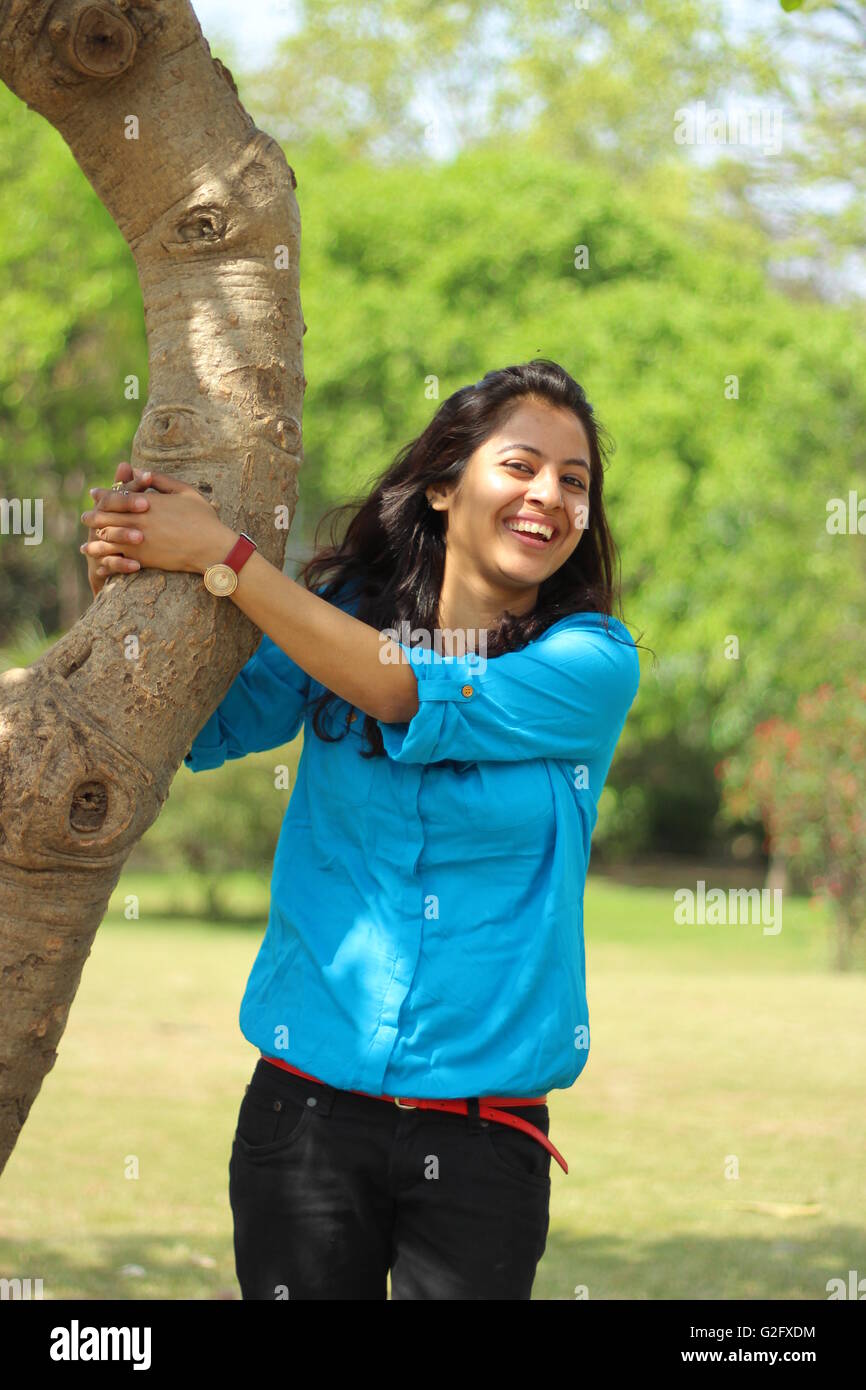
<point>532,528</point>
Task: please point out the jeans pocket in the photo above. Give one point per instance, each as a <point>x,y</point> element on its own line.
<point>269,1122</point>
<point>517,1153</point>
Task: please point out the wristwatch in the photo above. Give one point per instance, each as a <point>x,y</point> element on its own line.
<point>222,579</point>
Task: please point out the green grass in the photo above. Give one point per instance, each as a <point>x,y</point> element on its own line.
<point>707,1043</point>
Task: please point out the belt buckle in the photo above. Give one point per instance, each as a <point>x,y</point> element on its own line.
<point>402,1105</point>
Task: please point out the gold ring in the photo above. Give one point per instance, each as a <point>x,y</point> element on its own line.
<point>118,487</point>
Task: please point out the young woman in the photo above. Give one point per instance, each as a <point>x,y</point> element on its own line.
<point>462,684</point>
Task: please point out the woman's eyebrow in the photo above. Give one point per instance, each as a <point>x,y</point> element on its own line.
<point>531,449</point>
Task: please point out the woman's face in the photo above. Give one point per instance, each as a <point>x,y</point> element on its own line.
<point>535,468</point>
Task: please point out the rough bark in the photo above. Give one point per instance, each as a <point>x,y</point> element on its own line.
<point>92,734</point>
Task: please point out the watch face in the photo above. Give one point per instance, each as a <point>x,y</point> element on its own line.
<point>220,579</point>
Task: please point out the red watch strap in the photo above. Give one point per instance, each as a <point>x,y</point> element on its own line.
<point>240,552</point>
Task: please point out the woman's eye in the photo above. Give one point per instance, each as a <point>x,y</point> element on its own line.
<point>571,478</point>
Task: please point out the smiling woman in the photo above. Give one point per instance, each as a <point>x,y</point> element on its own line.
<point>552,508</point>
<point>425,936</point>
<point>531,524</point>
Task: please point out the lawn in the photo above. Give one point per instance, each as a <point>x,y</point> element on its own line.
<point>715,1139</point>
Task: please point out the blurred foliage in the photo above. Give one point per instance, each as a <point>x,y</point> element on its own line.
<point>738,416</point>
<point>404,80</point>
<point>72,329</point>
<point>231,821</point>
<point>805,779</point>
<point>398,79</point>
<point>811,194</point>
<point>739,412</point>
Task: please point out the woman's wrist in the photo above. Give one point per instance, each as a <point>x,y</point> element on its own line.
<point>212,548</point>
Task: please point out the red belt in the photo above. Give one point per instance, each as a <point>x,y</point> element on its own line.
<point>458,1107</point>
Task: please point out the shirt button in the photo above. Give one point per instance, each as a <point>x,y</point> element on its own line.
<point>466,690</point>
<point>311,1100</point>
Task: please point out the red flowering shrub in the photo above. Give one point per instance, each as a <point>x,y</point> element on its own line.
<point>805,778</point>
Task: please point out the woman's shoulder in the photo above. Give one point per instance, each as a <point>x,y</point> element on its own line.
<point>593,622</point>
<point>598,645</point>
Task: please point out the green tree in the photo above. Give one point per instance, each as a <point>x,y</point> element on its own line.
<point>393,79</point>
<point>71,336</point>
<point>739,415</point>
<point>810,195</point>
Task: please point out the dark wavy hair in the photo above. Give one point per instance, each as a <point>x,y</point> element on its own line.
<point>392,553</point>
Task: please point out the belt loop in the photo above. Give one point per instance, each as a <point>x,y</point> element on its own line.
<point>472,1113</point>
<point>324,1095</point>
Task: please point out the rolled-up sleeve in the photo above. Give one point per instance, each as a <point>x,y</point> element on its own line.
<point>263,708</point>
<point>565,695</point>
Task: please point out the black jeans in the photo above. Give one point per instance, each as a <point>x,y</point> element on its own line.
<point>330,1190</point>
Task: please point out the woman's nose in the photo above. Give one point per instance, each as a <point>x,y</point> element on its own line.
<point>545,494</point>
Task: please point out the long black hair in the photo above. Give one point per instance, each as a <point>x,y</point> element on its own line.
<point>392,554</point>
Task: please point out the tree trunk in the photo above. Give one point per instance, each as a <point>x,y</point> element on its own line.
<point>777,873</point>
<point>92,734</point>
<point>845,933</point>
<point>213,904</point>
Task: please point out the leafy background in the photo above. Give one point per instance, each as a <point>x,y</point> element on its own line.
<point>704,264</point>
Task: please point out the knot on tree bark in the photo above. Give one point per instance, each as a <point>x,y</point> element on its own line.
<point>74,802</point>
<point>95,40</point>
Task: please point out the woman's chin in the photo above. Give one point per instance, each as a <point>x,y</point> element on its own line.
<point>531,566</point>
<point>519,578</point>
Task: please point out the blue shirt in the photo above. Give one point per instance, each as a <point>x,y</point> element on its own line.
<point>425,932</point>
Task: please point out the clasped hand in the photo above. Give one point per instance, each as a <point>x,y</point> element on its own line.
<point>172,527</point>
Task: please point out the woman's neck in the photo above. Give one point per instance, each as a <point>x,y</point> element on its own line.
<point>467,606</point>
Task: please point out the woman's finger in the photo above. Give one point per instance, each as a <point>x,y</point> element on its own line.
<point>133,479</point>
<point>117,564</point>
<point>117,535</point>
<point>142,479</point>
<point>118,502</point>
<point>105,539</point>
<point>101,513</point>
<point>163,483</point>
<point>134,488</point>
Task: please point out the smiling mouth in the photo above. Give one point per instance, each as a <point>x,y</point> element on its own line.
<point>523,533</point>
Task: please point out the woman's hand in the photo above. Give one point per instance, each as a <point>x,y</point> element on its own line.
<point>172,528</point>
<point>103,557</point>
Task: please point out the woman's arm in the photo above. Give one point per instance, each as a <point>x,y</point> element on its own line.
<point>566,696</point>
<point>334,648</point>
<point>181,531</point>
<point>262,709</point>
